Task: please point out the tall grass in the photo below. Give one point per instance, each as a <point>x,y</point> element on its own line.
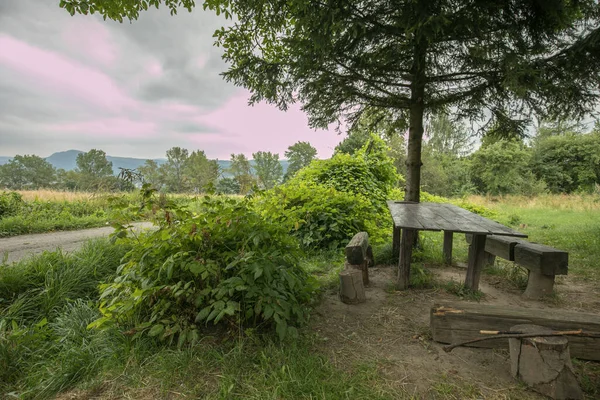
<point>46,303</point>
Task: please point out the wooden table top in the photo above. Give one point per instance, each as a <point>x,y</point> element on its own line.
<point>444,217</point>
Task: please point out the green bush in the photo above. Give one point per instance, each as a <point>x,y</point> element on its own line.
<point>10,203</point>
<point>329,201</point>
<point>225,264</point>
<point>320,217</point>
<point>369,173</point>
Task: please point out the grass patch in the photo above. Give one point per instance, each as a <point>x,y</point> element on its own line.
<point>251,368</point>
<point>514,276</point>
<point>460,290</point>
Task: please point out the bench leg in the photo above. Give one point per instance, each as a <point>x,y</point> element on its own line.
<point>448,237</point>
<point>476,261</point>
<point>538,285</point>
<point>406,247</point>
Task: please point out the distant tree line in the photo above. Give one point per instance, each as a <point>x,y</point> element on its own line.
<point>560,157</point>
<point>93,173</point>
<point>181,172</point>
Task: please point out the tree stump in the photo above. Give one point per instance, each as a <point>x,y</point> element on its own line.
<point>352,290</point>
<point>544,363</point>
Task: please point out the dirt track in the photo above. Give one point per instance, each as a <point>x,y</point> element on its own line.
<point>18,247</point>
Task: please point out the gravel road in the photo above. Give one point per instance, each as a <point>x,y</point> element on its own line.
<point>18,247</point>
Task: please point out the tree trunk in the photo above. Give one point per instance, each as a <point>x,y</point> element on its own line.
<point>415,130</point>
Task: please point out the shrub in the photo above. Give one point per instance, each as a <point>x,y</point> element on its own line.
<point>329,201</point>
<point>319,216</point>
<point>369,173</point>
<point>225,264</point>
<point>10,203</point>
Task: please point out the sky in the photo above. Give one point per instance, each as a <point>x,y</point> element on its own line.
<point>131,89</point>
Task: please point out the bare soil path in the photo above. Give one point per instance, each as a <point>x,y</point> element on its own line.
<point>17,247</point>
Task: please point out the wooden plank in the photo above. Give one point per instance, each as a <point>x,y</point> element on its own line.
<point>458,221</point>
<point>356,249</point>
<point>476,262</point>
<point>453,322</point>
<point>491,226</point>
<point>543,259</point>
<point>448,238</point>
<point>426,215</point>
<point>402,217</point>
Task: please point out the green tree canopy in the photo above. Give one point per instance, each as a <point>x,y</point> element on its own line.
<point>241,170</point>
<point>509,59</point>
<point>568,163</point>
<point>94,171</point>
<point>299,155</point>
<point>268,168</point>
<point>150,173</point>
<point>200,171</point>
<point>172,172</point>
<point>27,172</point>
<point>94,164</point>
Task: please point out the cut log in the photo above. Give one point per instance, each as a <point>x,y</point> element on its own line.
<point>352,290</point>
<point>356,250</point>
<point>363,268</point>
<point>544,363</point>
<point>459,322</point>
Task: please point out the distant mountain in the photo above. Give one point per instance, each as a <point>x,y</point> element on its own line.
<point>67,160</point>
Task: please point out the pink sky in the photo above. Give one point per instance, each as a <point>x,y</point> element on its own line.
<point>86,86</point>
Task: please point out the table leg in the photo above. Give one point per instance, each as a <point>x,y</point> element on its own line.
<point>448,236</point>
<point>406,247</point>
<point>396,242</point>
<point>476,261</point>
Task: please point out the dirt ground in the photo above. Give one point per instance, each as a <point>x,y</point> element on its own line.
<point>391,331</point>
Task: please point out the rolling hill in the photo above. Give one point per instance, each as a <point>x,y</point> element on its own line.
<point>67,160</point>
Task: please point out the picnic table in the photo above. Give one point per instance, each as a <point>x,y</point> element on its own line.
<point>410,217</point>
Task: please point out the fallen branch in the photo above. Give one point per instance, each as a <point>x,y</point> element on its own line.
<point>501,335</point>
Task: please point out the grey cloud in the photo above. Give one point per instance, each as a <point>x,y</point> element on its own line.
<point>182,45</point>
<point>175,42</point>
<point>193,128</point>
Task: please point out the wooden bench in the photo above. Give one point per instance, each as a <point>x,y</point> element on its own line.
<point>355,276</point>
<point>542,262</point>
